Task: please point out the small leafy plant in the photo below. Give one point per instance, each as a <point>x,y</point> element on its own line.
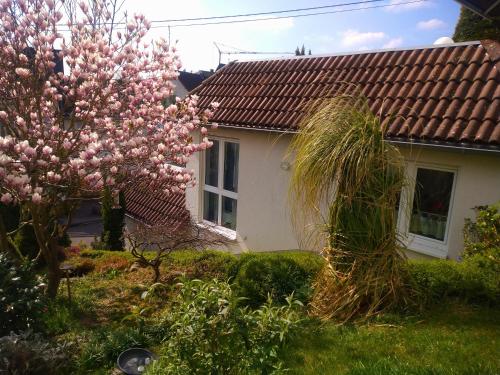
<point>21,296</point>
<point>483,235</point>
<point>206,331</point>
<point>30,354</point>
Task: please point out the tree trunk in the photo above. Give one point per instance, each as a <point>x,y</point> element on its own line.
<point>4,240</point>
<point>156,277</point>
<point>49,248</point>
<point>53,269</point>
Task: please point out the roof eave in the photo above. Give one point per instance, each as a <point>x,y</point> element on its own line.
<point>469,147</point>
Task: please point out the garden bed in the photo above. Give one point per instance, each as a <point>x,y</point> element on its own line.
<point>459,335</point>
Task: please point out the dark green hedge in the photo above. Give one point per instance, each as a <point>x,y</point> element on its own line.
<point>476,279</point>
<point>257,275</point>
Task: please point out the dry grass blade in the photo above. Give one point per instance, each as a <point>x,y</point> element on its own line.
<point>344,165</point>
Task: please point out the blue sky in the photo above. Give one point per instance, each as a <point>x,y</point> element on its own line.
<point>393,27</point>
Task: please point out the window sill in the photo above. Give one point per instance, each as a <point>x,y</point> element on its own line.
<point>427,246</point>
<point>223,231</point>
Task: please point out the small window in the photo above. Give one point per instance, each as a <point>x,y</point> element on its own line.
<point>212,165</point>
<point>229,213</point>
<point>210,206</point>
<point>221,183</point>
<point>431,203</point>
<point>231,166</point>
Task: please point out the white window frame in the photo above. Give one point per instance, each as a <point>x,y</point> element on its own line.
<point>219,191</point>
<point>416,242</point>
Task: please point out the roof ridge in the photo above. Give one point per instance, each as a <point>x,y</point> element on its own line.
<point>364,52</point>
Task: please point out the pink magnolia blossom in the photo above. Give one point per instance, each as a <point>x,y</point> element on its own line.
<point>6,198</point>
<point>36,198</point>
<point>23,72</point>
<point>101,121</point>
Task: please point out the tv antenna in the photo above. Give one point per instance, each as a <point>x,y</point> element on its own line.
<point>239,51</point>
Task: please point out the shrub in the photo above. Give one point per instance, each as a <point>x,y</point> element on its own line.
<point>82,266</point>
<point>207,332</point>
<point>259,275</point>
<point>113,221</point>
<point>213,264</point>
<point>476,279</point>
<point>21,296</point>
<point>483,235</point>
<point>112,262</point>
<point>30,354</point>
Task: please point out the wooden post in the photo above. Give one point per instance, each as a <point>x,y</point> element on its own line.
<point>66,268</point>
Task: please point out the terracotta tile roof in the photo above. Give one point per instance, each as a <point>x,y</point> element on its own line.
<point>155,207</point>
<point>446,94</point>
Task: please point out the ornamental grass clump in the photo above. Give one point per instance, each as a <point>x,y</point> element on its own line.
<point>345,174</point>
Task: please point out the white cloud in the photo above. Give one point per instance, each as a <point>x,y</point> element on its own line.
<point>352,38</point>
<point>393,43</point>
<point>399,6</point>
<point>431,24</point>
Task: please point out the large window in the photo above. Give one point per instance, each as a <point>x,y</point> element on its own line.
<point>220,191</point>
<point>431,203</point>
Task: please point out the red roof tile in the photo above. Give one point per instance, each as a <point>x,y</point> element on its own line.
<point>441,93</point>
<point>155,207</point>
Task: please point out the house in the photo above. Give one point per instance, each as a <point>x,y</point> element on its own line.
<point>440,106</point>
<point>187,82</point>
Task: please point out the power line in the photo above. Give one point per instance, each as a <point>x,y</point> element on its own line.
<point>282,17</point>
<point>290,16</point>
<point>256,14</point>
<point>266,13</point>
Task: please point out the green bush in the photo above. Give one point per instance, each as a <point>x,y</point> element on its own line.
<point>82,266</point>
<point>211,264</point>
<point>21,296</point>
<point>483,235</point>
<point>259,275</point>
<point>30,354</point>
<point>26,242</point>
<point>113,221</point>
<point>208,332</point>
<point>476,279</point>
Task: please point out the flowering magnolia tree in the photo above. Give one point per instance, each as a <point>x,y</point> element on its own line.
<point>103,121</point>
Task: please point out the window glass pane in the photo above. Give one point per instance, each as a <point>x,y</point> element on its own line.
<point>212,165</point>
<point>210,206</point>
<point>431,203</point>
<point>231,151</point>
<point>229,213</point>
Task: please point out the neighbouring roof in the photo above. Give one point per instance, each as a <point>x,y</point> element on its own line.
<point>153,207</point>
<point>191,80</point>
<point>440,94</point>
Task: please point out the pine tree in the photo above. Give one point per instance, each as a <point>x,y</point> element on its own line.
<point>303,50</point>
<point>472,26</point>
<point>113,221</point>
<point>297,51</point>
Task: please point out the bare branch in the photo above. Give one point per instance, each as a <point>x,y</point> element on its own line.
<point>151,245</point>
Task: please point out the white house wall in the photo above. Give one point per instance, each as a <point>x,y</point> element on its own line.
<point>263,215</point>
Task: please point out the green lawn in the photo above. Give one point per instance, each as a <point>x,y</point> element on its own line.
<point>454,339</point>
<point>451,340</point>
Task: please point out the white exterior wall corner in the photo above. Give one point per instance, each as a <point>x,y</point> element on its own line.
<point>263,211</point>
